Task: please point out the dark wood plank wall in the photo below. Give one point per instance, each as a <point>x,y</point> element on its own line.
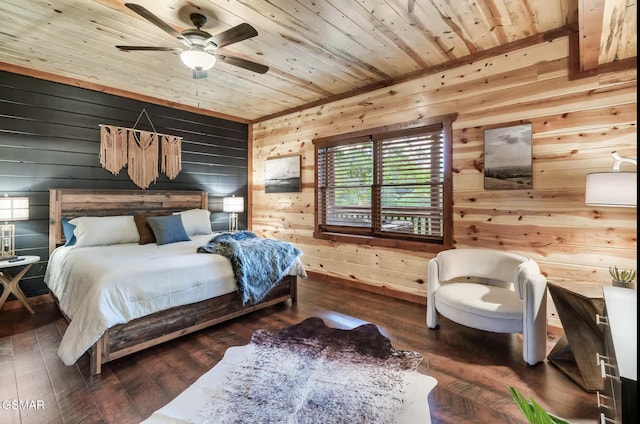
<point>50,138</point>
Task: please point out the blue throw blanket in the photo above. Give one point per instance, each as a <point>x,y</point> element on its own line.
<point>258,263</point>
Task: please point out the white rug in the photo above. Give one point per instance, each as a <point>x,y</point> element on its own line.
<point>307,373</point>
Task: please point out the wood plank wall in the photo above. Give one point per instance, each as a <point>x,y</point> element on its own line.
<point>50,137</point>
<point>576,125</point>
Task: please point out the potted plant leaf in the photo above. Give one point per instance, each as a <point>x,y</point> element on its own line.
<point>533,412</point>
<point>622,277</point>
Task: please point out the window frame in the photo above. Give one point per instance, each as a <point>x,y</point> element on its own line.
<point>395,240</point>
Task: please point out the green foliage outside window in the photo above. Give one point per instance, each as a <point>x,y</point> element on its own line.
<point>402,169</point>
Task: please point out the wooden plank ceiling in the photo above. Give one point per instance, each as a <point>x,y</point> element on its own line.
<point>315,50</point>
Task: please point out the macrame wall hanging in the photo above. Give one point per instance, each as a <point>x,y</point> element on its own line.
<point>113,148</point>
<point>139,151</point>
<point>171,162</point>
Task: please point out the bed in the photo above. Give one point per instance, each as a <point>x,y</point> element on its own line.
<point>122,298</point>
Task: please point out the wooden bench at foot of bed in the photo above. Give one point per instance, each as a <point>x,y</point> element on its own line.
<point>150,330</point>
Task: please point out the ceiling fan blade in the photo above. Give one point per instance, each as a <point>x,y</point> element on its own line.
<point>243,63</point>
<point>157,22</point>
<point>233,35</point>
<point>199,74</point>
<point>146,48</point>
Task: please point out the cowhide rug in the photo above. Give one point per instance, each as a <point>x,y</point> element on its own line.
<point>308,373</point>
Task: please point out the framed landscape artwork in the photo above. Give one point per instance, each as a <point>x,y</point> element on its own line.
<point>282,175</point>
<point>507,158</point>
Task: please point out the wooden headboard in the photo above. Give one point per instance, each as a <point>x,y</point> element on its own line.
<point>72,203</point>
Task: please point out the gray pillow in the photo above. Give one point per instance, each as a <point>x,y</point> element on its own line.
<point>167,229</point>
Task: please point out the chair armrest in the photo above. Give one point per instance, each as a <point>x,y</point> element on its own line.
<point>526,271</point>
<point>433,284</point>
<point>433,281</point>
<point>534,316</point>
<point>535,293</point>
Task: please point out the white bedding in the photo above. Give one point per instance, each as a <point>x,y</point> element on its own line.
<point>102,286</point>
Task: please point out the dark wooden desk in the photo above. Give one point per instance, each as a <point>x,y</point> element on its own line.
<point>577,304</point>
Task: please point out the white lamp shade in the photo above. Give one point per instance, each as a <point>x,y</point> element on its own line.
<point>233,204</point>
<point>198,59</point>
<point>612,189</point>
<point>14,208</point>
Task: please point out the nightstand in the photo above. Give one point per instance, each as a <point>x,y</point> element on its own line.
<point>11,284</point>
<point>619,362</point>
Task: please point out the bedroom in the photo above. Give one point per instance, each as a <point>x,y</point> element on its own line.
<point>576,125</point>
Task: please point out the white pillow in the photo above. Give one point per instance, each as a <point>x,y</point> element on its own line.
<point>105,230</point>
<point>196,221</point>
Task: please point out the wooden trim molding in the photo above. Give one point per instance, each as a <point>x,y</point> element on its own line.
<point>484,54</point>
<point>387,242</point>
<point>385,291</point>
<point>117,92</point>
<point>590,13</point>
<point>250,178</point>
<point>575,66</point>
<point>397,240</point>
<point>361,135</point>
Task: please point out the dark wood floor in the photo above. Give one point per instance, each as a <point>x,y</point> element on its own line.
<point>473,368</point>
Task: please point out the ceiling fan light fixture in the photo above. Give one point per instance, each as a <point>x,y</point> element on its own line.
<point>200,47</point>
<point>198,59</point>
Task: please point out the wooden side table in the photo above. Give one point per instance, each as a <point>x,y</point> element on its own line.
<point>577,304</point>
<point>11,284</point>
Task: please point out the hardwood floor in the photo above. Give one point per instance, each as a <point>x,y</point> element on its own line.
<point>473,368</point>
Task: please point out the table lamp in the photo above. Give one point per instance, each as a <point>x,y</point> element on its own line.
<point>233,205</point>
<point>11,209</point>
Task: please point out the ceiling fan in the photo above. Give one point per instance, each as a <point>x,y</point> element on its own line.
<point>200,48</point>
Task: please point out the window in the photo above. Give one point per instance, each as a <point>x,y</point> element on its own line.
<point>386,187</point>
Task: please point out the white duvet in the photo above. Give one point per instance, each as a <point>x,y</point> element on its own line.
<point>102,286</point>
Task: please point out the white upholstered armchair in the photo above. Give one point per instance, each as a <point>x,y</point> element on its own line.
<point>493,291</point>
